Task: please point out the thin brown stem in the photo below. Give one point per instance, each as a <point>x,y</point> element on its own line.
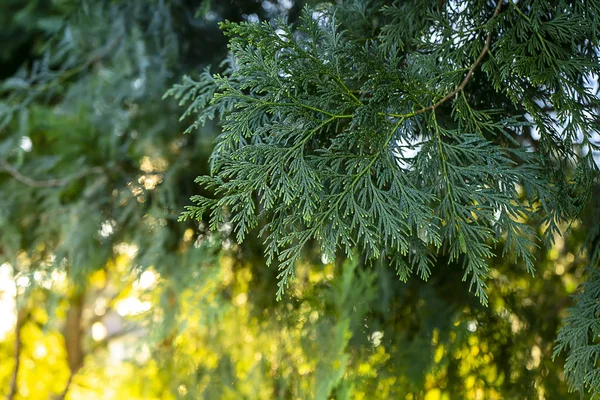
<point>461,86</point>
<point>67,387</point>
<point>14,383</point>
<point>4,166</point>
<point>73,336</point>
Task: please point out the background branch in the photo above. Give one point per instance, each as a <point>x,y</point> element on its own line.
<point>49,182</point>
<point>478,61</point>
<point>14,384</point>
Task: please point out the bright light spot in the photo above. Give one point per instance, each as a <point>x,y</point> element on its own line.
<point>132,306</point>
<point>253,18</point>
<point>304,369</point>
<point>286,4</point>
<point>98,331</point>
<point>182,390</point>
<point>108,228</point>
<point>157,164</point>
<point>146,165</point>
<point>117,351</point>
<point>40,351</point>
<point>147,280</point>
<point>8,290</point>
<point>226,228</point>
<point>7,285</point>
<point>58,278</point>
<point>129,250</point>
<point>536,357</point>
<point>26,143</point>
<point>240,299</point>
<point>472,326</point>
<point>100,306</point>
<point>282,35</point>
<point>406,149</point>
<point>376,338</point>
<point>559,269</point>
<point>515,323</point>
<point>5,270</point>
<point>23,281</point>
<point>150,181</point>
<point>137,84</point>
<point>497,214</point>
<point>325,259</point>
<point>188,235</point>
<point>433,394</point>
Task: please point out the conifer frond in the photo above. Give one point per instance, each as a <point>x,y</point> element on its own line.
<point>578,337</point>
<point>376,142</point>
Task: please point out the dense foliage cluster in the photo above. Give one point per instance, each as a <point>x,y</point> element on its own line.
<point>407,134</point>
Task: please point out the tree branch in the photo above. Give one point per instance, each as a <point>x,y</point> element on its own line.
<point>100,54</point>
<point>461,86</point>
<point>50,182</point>
<point>73,336</point>
<point>14,384</point>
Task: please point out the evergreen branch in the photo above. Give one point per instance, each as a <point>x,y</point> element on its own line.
<point>294,102</point>
<point>309,107</point>
<point>458,193</point>
<point>438,138</point>
<point>96,57</point>
<point>461,86</point>
<point>310,134</point>
<point>321,66</point>
<point>102,53</point>
<point>361,174</point>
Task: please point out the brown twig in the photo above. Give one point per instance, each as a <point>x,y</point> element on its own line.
<point>50,182</point>
<point>14,384</point>
<point>99,345</point>
<point>73,335</point>
<point>63,394</point>
<point>459,88</point>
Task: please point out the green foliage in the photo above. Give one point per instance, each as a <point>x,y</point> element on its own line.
<point>578,337</point>
<point>411,135</point>
<point>409,143</point>
<point>81,167</point>
<point>26,27</point>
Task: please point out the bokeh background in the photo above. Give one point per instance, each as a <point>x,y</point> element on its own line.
<point>104,295</point>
